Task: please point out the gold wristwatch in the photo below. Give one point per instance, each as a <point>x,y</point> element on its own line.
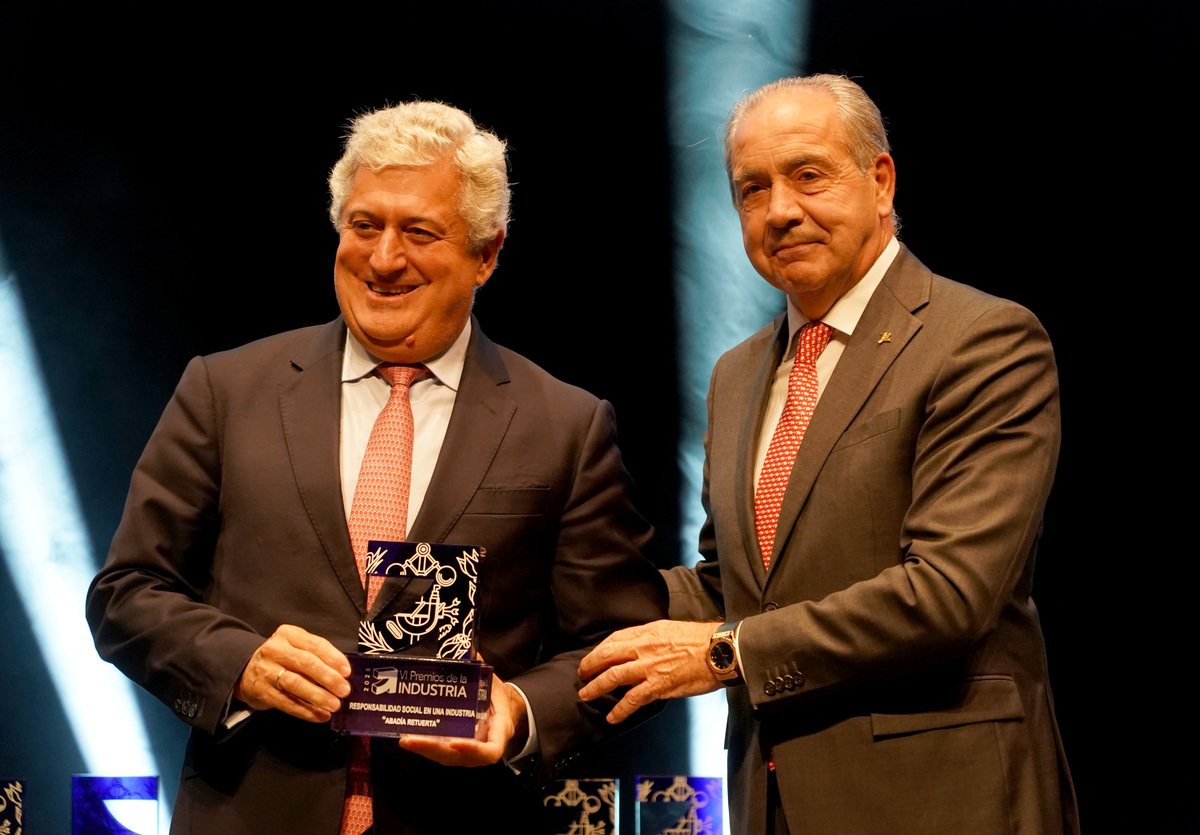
<point>722,654</point>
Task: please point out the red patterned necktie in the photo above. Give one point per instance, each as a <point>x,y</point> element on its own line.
<point>789,432</point>
<point>379,511</point>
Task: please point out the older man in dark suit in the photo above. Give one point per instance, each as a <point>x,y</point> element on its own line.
<point>231,591</point>
<point>878,460</point>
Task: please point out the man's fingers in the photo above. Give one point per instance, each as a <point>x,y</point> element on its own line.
<point>660,660</point>
<point>320,647</point>
<point>618,648</point>
<point>263,691</point>
<point>468,753</point>
<point>301,709</point>
<point>633,701</point>
<point>288,691</point>
<point>506,711</point>
<point>294,685</point>
<point>637,697</point>
<point>313,670</point>
<point>611,679</point>
<point>311,656</point>
<point>296,672</point>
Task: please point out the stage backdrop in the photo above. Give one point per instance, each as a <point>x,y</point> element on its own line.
<point>163,195</point>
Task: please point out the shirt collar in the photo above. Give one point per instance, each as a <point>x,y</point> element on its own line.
<point>447,367</point>
<point>847,310</point>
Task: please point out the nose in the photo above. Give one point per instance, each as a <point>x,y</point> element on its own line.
<point>388,255</point>
<point>783,207</point>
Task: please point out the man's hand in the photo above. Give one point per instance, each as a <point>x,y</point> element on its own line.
<point>661,660</point>
<point>297,672</point>
<point>506,723</point>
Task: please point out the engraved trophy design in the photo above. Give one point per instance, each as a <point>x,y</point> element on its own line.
<point>416,670</point>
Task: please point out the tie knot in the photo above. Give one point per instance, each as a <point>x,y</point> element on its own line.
<point>813,338</point>
<point>401,375</point>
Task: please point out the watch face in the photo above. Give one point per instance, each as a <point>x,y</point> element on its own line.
<point>721,656</point>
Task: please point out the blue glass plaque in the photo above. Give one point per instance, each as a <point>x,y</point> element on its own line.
<point>399,695</point>
<point>582,807</point>
<point>12,805</point>
<point>102,805</point>
<point>679,805</point>
<point>416,670</point>
<point>432,614</point>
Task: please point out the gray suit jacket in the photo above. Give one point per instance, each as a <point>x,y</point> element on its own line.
<point>235,524</point>
<point>893,657</point>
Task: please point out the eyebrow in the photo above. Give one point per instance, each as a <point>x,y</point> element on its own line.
<point>426,221</point>
<point>791,164</point>
<point>351,211</point>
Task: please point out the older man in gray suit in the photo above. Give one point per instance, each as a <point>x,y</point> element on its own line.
<point>878,460</point>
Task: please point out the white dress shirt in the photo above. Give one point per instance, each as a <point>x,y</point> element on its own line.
<point>843,318</point>
<point>365,393</point>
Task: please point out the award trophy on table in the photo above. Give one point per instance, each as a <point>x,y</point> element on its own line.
<point>416,670</point>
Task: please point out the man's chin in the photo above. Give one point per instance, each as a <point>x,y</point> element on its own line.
<point>418,346</point>
<point>796,282</point>
<point>406,351</point>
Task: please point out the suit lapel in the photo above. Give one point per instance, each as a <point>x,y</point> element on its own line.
<point>310,408</point>
<point>756,388</point>
<point>904,289</point>
<point>482,414</point>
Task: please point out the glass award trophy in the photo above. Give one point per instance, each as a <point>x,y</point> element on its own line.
<point>679,805</point>
<point>586,806</point>
<point>111,805</point>
<point>416,670</point>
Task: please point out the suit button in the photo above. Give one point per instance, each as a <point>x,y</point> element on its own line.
<point>799,679</point>
<point>789,682</point>
<point>770,607</point>
<point>769,688</point>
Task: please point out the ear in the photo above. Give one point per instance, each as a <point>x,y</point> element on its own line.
<point>884,176</point>
<point>487,256</point>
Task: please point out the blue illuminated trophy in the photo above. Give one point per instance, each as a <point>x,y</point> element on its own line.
<point>416,670</point>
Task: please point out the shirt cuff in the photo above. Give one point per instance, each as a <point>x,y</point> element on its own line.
<point>737,651</point>
<point>531,742</point>
<point>235,718</point>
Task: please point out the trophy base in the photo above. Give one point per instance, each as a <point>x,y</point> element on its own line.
<point>403,695</point>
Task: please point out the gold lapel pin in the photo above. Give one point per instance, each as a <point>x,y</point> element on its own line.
<point>886,336</point>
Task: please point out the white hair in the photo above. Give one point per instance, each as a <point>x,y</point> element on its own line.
<point>421,133</point>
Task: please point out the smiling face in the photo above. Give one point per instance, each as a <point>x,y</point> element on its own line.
<point>812,223</point>
<point>404,275</point>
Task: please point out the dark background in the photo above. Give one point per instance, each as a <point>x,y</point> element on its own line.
<point>162,194</point>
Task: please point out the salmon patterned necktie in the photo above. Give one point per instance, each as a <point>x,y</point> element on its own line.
<point>789,432</point>
<point>380,512</point>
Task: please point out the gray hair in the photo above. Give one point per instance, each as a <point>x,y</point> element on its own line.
<point>421,133</point>
<point>866,138</point>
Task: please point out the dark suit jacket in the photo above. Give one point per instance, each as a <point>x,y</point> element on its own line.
<point>893,658</point>
<point>235,524</point>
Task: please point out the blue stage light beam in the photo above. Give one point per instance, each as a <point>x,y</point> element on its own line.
<point>51,561</point>
<point>717,53</point>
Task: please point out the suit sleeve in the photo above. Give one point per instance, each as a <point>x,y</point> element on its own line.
<point>600,583</point>
<point>145,606</point>
<point>696,593</point>
<point>983,462</point>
